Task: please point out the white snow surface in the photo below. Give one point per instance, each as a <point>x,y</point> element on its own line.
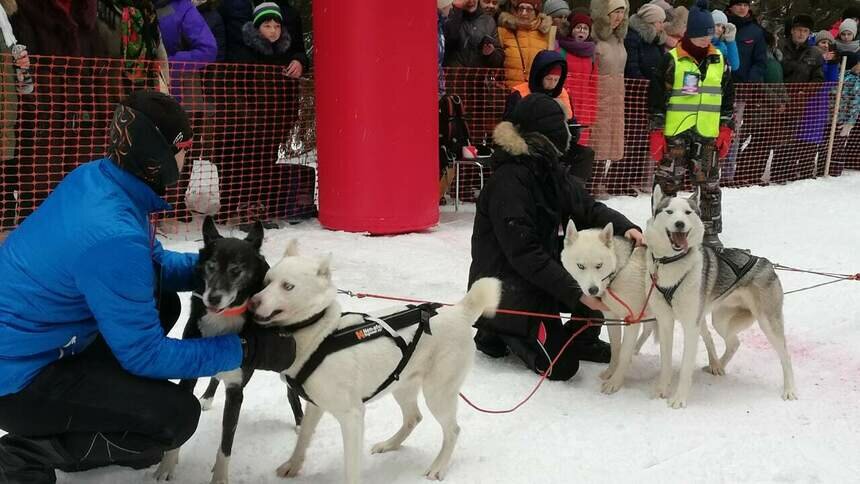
<point>736,427</point>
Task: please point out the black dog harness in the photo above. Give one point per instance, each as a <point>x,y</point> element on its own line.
<point>739,261</point>
<point>668,292</point>
<point>369,329</point>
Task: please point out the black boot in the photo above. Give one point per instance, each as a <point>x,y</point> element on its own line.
<point>490,344</point>
<point>29,461</point>
<point>594,350</point>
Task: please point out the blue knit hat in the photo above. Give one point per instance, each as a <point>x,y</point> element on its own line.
<point>700,22</point>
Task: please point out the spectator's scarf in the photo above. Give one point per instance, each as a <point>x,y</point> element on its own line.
<point>140,39</point>
<point>578,48</point>
<point>697,53</point>
<point>853,46</point>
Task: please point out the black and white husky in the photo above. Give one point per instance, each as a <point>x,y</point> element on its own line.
<point>229,272</point>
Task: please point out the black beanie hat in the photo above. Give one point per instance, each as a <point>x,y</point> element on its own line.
<point>539,113</point>
<point>147,130</point>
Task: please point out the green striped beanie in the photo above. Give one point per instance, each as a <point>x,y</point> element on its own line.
<point>267,11</point>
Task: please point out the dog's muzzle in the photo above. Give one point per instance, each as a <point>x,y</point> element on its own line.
<point>267,319</point>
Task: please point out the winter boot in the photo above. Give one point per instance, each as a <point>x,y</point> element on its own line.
<point>712,241</point>
<point>29,461</point>
<point>490,344</point>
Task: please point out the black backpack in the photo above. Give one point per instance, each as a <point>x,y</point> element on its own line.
<point>453,130</point>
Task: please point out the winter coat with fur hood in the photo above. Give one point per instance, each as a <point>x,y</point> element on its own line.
<point>260,51</point>
<point>236,13</point>
<point>8,96</point>
<point>515,235</point>
<point>607,135</point>
<point>521,45</point>
<point>644,47</point>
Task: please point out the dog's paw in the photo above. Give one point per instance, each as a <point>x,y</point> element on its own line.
<point>714,369</point>
<point>433,474</point>
<point>205,404</point>
<point>383,447</point>
<point>165,472</point>
<point>677,402</point>
<point>789,394</point>
<point>167,467</point>
<point>606,374</point>
<point>660,391</point>
<point>611,386</point>
<point>289,469</point>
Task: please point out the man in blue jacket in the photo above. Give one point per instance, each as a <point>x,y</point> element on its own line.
<point>750,39</point>
<point>87,295</point>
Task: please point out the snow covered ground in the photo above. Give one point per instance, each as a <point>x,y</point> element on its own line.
<point>736,428</point>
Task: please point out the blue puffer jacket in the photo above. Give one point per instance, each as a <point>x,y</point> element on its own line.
<point>186,36</point>
<point>82,265</point>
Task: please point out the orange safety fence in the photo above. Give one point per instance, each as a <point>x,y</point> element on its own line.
<point>254,153</point>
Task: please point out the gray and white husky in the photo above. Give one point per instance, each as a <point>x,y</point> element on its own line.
<point>693,281</point>
<point>612,269</point>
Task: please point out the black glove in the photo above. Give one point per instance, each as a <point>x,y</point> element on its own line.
<point>272,349</point>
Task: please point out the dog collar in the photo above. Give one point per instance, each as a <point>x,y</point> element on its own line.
<point>233,311</point>
<point>307,322</point>
<point>670,259</point>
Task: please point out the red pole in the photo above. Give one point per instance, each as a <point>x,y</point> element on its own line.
<point>376,99</point>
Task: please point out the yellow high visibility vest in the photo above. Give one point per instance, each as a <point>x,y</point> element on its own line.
<point>695,102</point>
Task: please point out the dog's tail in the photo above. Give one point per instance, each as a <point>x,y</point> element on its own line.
<point>483,298</point>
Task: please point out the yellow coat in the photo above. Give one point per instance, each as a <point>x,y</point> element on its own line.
<point>521,45</point>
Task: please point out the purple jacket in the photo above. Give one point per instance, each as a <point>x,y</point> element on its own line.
<point>185,34</point>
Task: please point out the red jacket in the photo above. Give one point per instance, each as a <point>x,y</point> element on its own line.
<point>582,82</point>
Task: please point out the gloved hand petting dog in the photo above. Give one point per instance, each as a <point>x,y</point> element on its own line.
<point>272,349</point>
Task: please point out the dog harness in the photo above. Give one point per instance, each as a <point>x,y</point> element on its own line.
<point>668,292</point>
<point>739,261</point>
<point>369,329</point>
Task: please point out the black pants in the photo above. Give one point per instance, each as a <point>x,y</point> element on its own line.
<point>555,336</point>
<point>86,411</point>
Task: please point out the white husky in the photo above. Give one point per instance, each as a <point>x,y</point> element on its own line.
<point>695,280</point>
<point>612,269</point>
<point>298,288</point>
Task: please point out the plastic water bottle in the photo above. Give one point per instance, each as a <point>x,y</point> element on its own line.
<point>25,79</point>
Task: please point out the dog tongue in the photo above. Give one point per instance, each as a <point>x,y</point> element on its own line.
<point>679,239</point>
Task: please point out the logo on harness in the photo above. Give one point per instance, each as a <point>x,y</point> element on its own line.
<point>364,333</point>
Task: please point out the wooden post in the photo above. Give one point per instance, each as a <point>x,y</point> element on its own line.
<point>835,116</point>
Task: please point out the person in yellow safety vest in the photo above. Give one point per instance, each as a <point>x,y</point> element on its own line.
<point>691,103</point>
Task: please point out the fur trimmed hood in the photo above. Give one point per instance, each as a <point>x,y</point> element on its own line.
<point>533,149</point>
<point>676,21</point>
<point>600,10</point>
<point>509,21</point>
<point>9,6</point>
<point>646,30</point>
<point>252,38</point>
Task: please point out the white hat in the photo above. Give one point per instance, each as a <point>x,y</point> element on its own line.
<point>719,17</point>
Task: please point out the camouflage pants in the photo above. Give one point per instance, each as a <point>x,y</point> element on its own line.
<point>692,152</point>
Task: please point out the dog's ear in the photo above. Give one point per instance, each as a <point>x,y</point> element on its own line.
<point>656,199</point>
<point>570,234</point>
<point>694,201</point>
<point>292,248</point>
<point>255,235</point>
<point>324,267</point>
<point>210,232</point>
<point>606,235</point>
